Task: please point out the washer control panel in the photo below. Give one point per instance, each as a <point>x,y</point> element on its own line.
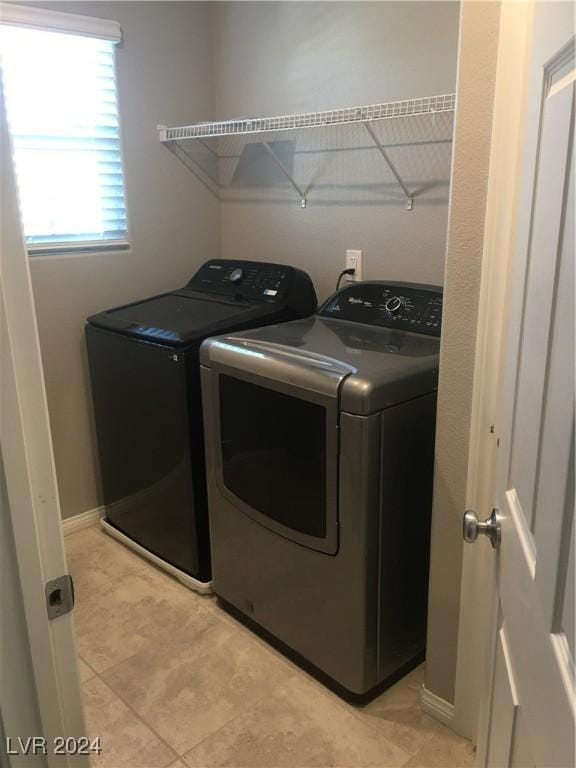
<point>243,279</point>
<point>406,306</point>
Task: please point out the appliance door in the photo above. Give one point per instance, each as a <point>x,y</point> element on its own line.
<point>276,434</point>
<point>144,410</point>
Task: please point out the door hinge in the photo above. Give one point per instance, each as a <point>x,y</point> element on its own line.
<point>59,596</point>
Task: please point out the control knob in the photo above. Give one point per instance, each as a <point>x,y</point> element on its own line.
<point>236,275</point>
<point>394,305</point>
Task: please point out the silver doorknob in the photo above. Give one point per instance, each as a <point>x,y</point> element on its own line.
<point>491,527</point>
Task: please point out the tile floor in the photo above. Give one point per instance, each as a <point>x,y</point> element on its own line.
<point>170,680</point>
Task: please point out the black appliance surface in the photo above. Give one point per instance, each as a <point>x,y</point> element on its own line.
<point>174,317</point>
<point>400,306</point>
<point>144,370</point>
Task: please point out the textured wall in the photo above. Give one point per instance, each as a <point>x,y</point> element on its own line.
<point>164,77</point>
<point>275,58</point>
<point>476,79</point>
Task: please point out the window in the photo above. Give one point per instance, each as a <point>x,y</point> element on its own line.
<point>62,110</point>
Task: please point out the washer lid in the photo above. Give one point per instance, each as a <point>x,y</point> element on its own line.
<point>370,368</point>
<point>170,319</point>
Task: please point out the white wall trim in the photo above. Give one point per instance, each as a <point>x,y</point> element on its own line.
<point>58,21</point>
<point>83,520</point>
<point>438,708</point>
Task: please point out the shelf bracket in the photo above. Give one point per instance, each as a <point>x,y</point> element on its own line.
<point>201,174</point>
<point>376,140</point>
<point>286,173</point>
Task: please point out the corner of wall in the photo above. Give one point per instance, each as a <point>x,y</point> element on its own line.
<point>477,58</point>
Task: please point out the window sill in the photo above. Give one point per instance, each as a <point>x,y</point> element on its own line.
<point>60,249</point>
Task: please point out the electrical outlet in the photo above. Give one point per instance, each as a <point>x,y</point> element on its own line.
<point>354,261</point>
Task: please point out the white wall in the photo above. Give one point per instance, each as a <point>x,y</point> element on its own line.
<point>164,77</point>
<point>275,58</point>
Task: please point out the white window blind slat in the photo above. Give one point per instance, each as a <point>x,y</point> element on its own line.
<point>63,117</point>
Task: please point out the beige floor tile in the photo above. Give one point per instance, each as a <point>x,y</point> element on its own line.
<point>444,750</point>
<point>84,671</point>
<point>205,685</point>
<point>126,741</point>
<point>186,690</point>
<point>298,726</point>
<point>94,559</point>
<point>398,715</point>
<point>141,609</point>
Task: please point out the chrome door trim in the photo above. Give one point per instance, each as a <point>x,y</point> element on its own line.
<point>277,362</point>
<point>328,544</point>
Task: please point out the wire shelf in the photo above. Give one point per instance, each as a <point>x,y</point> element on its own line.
<point>428,105</point>
<point>187,141</point>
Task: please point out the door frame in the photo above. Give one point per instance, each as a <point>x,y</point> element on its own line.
<point>31,481</point>
<point>477,604</point>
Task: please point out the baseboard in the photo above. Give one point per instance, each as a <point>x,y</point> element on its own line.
<point>83,520</point>
<point>438,708</point>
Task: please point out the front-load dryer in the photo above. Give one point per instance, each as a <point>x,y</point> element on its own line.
<point>320,452</point>
<point>145,377</point>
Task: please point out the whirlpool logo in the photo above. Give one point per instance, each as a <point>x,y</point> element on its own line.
<point>352,300</point>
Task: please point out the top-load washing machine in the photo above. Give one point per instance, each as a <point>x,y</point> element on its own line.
<point>145,376</point>
<point>320,452</point>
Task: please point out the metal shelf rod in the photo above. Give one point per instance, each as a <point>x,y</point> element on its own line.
<point>409,195</point>
<point>203,176</point>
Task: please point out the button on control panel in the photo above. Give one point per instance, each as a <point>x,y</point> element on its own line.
<point>243,279</point>
<point>408,307</point>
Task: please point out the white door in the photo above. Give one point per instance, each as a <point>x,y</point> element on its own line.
<point>34,511</point>
<point>531,718</point>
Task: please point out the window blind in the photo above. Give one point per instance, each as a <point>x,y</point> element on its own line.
<point>62,113</point>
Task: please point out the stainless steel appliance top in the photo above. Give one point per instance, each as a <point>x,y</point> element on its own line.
<point>370,363</point>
